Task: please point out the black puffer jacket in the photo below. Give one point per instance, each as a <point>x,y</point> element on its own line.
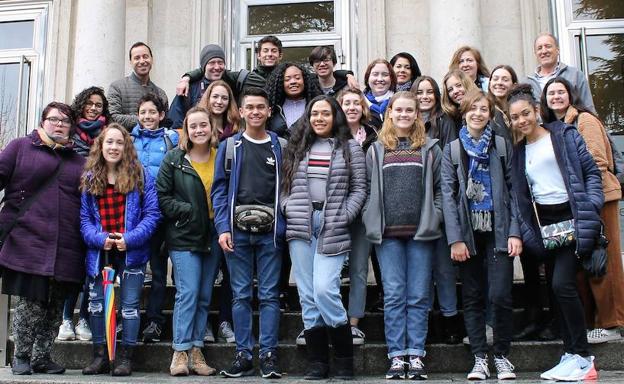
<point>184,203</point>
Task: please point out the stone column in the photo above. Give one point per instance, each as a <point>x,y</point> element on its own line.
<point>99,52</point>
<point>453,24</point>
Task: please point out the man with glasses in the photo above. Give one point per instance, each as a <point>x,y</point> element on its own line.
<point>124,94</point>
<point>323,59</point>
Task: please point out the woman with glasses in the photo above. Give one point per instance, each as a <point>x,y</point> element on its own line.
<point>42,257</point>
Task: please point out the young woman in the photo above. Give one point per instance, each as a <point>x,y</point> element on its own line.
<point>438,125</point>
<point>290,87</point>
<point>324,185</point>
<point>119,214</point>
<point>380,81</point>
<point>402,217</point>
<point>92,108</point>
<point>406,69</point>
<point>468,60</point>
<point>482,230</point>
<point>184,184</point>
<point>603,297</point>
<point>556,179</point>
<point>219,101</point>
<point>224,119</point>
<point>354,106</point>
<point>151,141</point>
<point>42,256</point>
<point>456,84</point>
<point>502,78</point>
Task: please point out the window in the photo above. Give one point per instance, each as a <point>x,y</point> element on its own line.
<point>300,25</point>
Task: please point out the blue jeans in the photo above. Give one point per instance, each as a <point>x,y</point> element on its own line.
<point>195,275</point>
<point>318,280</point>
<point>406,275</point>
<point>358,268</point>
<point>445,278</point>
<point>70,304</point>
<point>268,259</point>
<point>131,287</point>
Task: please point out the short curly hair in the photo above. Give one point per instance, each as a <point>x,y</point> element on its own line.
<point>81,99</point>
<point>275,85</point>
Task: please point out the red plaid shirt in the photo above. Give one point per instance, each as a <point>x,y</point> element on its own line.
<point>112,207</point>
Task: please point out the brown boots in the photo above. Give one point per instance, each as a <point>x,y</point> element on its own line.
<point>192,361</point>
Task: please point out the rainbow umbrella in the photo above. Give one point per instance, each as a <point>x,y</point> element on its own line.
<point>110,320</point>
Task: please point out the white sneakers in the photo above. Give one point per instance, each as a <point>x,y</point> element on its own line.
<point>83,332</point>
<point>601,335</point>
<point>67,332</point>
<point>480,370</point>
<point>572,368</point>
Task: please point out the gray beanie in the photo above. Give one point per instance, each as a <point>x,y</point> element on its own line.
<point>208,53</point>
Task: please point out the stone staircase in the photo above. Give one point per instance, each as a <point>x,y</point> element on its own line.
<point>370,359</point>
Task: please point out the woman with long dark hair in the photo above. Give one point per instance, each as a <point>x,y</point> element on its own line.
<point>603,297</point>
<point>290,87</point>
<point>324,188</point>
<point>556,182</point>
<point>406,69</point>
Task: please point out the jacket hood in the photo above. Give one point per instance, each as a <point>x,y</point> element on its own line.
<point>138,131</point>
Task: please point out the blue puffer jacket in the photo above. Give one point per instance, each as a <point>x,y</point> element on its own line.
<point>152,145</point>
<point>142,217</point>
<point>582,180</point>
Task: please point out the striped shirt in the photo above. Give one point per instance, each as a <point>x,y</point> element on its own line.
<point>318,168</point>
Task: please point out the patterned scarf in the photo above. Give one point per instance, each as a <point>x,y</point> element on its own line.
<point>479,186</point>
<point>404,87</point>
<point>379,104</point>
<point>88,130</point>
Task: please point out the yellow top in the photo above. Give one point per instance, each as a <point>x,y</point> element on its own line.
<point>206,174</point>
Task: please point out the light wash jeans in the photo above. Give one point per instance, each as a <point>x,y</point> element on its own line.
<point>406,275</point>
<point>195,273</point>
<point>318,280</point>
<point>259,250</point>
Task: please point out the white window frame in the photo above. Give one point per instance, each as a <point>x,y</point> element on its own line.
<point>39,13</point>
<point>340,38</point>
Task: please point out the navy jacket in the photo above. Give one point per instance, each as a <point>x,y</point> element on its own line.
<point>181,104</point>
<point>582,180</point>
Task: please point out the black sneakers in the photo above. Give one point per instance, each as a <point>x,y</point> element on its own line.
<point>269,368</point>
<point>152,332</point>
<point>242,366</point>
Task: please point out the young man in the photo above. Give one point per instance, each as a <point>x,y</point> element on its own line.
<point>246,184</point>
<point>323,59</point>
<point>124,94</point>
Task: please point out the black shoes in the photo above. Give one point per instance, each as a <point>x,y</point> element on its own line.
<point>47,366</point>
<point>452,329</point>
<point>100,363</point>
<point>21,366</point>
<point>317,346</point>
<point>342,340</point>
<point>241,366</point>
<point>269,367</point>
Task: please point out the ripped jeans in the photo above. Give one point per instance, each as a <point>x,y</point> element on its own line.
<point>131,287</point>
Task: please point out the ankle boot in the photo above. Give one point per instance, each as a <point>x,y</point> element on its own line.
<point>343,351</point>
<point>100,363</point>
<point>317,346</point>
<point>123,361</point>
<point>452,329</point>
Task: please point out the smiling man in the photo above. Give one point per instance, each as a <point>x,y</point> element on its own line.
<point>124,94</point>
<point>546,49</point>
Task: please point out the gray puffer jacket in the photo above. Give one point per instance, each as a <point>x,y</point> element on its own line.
<point>123,98</point>
<point>346,193</point>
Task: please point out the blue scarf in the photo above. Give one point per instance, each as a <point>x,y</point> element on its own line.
<point>378,107</point>
<point>479,186</point>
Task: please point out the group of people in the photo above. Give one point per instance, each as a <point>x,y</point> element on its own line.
<point>255,173</point>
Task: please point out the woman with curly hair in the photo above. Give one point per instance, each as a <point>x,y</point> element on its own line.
<point>219,101</point>
<point>290,87</point>
<point>90,108</point>
<point>469,60</point>
<point>118,215</point>
<point>324,188</point>
<point>381,82</point>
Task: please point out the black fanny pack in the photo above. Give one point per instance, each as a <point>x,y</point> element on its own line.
<point>254,218</point>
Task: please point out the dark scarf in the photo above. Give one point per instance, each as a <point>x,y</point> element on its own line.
<point>378,107</point>
<point>479,186</point>
<point>404,87</point>
<point>88,130</point>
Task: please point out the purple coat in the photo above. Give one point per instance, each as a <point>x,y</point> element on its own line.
<point>46,240</point>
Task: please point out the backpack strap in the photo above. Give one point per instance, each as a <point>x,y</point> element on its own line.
<point>229,154</point>
<point>283,142</point>
<point>241,78</point>
<point>168,142</point>
<point>501,146</point>
<point>455,152</point>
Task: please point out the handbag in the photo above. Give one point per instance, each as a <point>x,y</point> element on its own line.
<point>5,230</point>
<point>596,263</point>
<point>254,218</point>
<point>556,235</point>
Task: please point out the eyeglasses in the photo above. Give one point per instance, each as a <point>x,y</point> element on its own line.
<point>55,121</point>
<point>326,60</point>
<point>90,104</point>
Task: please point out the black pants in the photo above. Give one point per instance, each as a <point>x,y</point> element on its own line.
<point>158,265</point>
<point>568,304</point>
<point>488,275</point>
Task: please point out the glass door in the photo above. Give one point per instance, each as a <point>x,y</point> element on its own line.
<point>14,94</point>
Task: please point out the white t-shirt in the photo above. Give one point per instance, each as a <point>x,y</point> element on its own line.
<point>543,173</point>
